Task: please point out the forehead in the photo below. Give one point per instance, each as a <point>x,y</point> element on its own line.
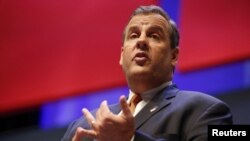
<point>148,20</point>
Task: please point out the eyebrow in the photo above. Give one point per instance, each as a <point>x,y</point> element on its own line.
<point>132,28</point>
<point>153,27</point>
<point>157,28</point>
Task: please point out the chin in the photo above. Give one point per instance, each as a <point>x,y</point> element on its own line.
<point>140,71</point>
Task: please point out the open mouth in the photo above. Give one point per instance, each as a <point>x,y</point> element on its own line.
<point>141,58</point>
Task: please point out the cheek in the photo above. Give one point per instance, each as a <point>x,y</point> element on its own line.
<point>126,55</point>
<point>162,57</point>
<point>160,54</point>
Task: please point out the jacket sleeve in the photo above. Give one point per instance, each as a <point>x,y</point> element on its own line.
<point>69,133</point>
<point>216,114</point>
<point>140,136</point>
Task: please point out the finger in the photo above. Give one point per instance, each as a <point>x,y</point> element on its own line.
<point>89,133</point>
<point>104,109</point>
<point>104,106</point>
<point>90,118</point>
<point>125,107</point>
<point>80,133</point>
<point>98,112</point>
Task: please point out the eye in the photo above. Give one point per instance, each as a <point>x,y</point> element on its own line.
<point>154,36</point>
<point>133,36</point>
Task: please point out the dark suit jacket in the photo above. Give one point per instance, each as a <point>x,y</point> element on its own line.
<point>172,115</point>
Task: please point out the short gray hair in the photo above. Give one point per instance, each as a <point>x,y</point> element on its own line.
<point>153,9</point>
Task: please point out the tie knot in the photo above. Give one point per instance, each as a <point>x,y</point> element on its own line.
<point>136,98</point>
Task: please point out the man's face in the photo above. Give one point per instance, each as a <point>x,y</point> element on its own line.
<point>146,50</point>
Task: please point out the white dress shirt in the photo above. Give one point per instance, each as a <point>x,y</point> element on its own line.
<point>147,96</point>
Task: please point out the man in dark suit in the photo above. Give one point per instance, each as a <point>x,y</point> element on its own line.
<point>163,112</point>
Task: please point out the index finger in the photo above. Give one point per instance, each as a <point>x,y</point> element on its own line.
<point>90,118</point>
<point>81,132</point>
<point>125,107</point>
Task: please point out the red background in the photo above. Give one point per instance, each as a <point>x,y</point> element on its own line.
<point>213,32</point>
<point>53,49</point>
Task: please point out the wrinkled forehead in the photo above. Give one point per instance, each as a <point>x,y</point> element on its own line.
<point>148,20</point>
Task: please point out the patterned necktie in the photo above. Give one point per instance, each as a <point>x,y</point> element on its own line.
<point>136,98</point>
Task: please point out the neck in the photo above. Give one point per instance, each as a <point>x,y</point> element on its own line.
<point>143,84</point>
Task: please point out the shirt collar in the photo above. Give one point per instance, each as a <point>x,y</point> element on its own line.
<point>146,96</point>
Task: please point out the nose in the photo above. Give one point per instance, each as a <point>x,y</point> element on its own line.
<point>142,42</point>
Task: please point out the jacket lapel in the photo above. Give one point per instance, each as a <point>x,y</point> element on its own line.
<point>158,102</point>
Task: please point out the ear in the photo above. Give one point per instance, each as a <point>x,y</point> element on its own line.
<point>121,56</point>
<point>175,54</point>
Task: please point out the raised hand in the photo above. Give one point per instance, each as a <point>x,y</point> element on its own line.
<point>108,126</point>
